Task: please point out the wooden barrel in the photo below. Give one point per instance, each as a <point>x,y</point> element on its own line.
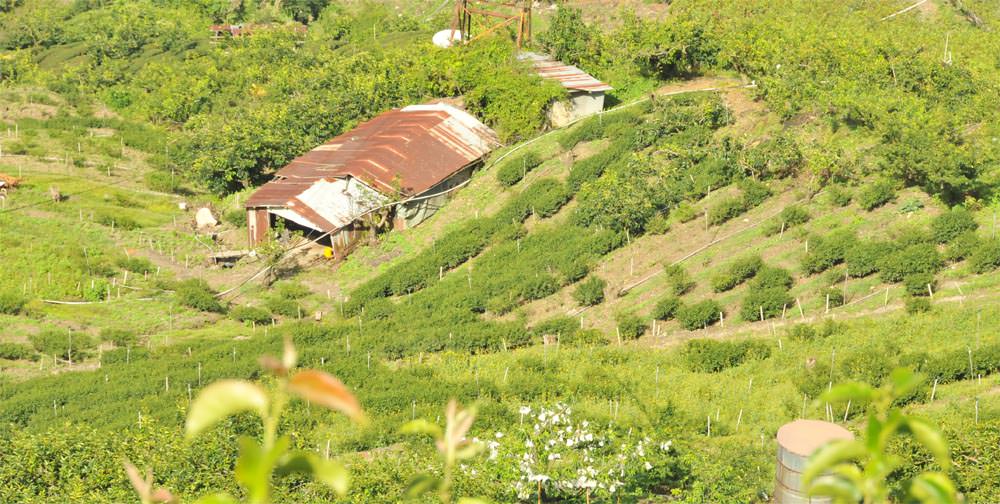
<point>796,442</point>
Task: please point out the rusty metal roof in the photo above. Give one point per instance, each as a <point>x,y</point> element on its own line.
<point>569,76</point>
<point>400,152</point>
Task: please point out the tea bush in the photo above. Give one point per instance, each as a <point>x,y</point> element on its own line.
<point>250,314</point>
<point>916,305</point>
<point>658,225</point>
<point>712,356</point>
<point>16,351</point>
<point>62,343</point>
<point>919,258</point>
<point>863,257</point>
<point>771,277</point>
<point>986,256</point>
<point>839,195</point>
<point>699,315</point>
<point>630,326</point>
<point>666,308</point>
<point>917,283</point>
<point>236,218</point>
<point>827,251</point>
<point>949,225</point>
<point>684,212</point>
<point>962,246</point>
<point>771,301</point>
<point>515,169</point>
<point>590,292</point>
<point>877,194</point>
<point>801,332</point>
<point>117,221</point>
<point>138,265</point>
<point>11,303</point>
<point>119,337</point>
<point>291,290</point>
<point>196,293</point>
<point>834,295</point>
<point>726,209</point>
<point>678,278</point>
<point>736,273</point>
<point>284,307</point>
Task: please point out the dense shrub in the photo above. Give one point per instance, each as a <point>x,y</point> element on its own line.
<point>11,303</point>
<point>139,265</point>
<point>790,216</point>
<point>666,308</point>
<point>160,181</point>
<point>236,218</point>
<point>913,235</point>
<point>590,292</point>
<point>827,251</point>
<point>630,326</point>
<point>16,351</point>
<point>962,246</point>
<point>61,343</point>
<point>292,290</point>
<point>726,209</point>
<point>561,326</point>
<point>839,195</point>
<point>596,128</point>
<point>986,256</point>
<point>195,293</point>
<point>250,314</point>
<point>916,305</point>
<point>538,287</point>
<point>684,212</point>
<point>117,221</point>
<point>801,332</point>
<point>867,365</point>
<point>832,295</point>
<point>753,193</point>
<point>919,258</point>
<point>949,225</point>
<point>777,157</point>
<point>736,273</point>
<point>877,194</point>
<point>863,257</point>
<point>712,356</point>
<point>917,283</point>
<point>658,225</point>
<point>678,278</point>
<point>699,315</point>
<point>771,277</point>
<point>119,337</point>
<point>283,306</point>
<point>770,301</point>
<point>514,170</point>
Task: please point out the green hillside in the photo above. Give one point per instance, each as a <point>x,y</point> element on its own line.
<point>780,196</point>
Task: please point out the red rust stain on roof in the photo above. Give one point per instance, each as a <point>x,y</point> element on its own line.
<point>402,151</point>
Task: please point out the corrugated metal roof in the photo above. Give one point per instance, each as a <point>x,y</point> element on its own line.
<point>569,76</point>
<point>403,151</point>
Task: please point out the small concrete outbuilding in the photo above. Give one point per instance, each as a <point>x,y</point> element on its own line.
<point>586,93</point>
<point>796,442</point>
<point>345,187</point>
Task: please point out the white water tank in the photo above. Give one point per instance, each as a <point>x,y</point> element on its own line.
<point>796,442</point>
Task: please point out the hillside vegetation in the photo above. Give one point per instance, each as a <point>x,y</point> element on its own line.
<point>784,196</point>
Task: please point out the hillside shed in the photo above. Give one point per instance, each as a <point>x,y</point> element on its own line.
<point>414,154</point>
<point>586,93</point>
